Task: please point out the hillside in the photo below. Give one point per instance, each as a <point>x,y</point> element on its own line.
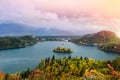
<point>98,38</point>
<point>17,42</point>
<point>77,68</point>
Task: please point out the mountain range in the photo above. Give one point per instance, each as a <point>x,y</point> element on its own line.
<point>8,29</point>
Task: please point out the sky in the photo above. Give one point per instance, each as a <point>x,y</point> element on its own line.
<point>76,16</point>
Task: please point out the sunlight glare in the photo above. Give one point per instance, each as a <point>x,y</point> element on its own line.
<point>118,34</point>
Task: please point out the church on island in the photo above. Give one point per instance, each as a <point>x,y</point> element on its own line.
<point>62,49</point>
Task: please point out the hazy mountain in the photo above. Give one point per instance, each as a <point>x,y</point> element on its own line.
<point>101,35</point>
<point>19,29</point>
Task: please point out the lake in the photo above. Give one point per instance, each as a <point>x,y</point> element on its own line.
<point>16,60</point>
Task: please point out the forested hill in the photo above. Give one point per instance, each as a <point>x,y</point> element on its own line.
<point>17,42</point>
<point>111,47</point>
<point>97,38</point>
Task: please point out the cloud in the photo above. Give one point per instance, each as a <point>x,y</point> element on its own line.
<point>77,16</point>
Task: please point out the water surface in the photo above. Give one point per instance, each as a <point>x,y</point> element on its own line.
<point>16,60</point>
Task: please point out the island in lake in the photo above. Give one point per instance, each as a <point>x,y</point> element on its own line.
<point>62,49</point>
